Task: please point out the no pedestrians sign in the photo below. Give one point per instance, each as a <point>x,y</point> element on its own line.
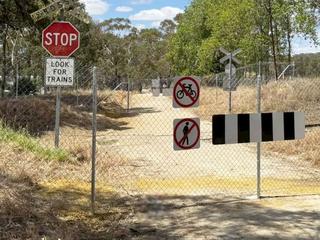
<point>186,134</point>
<point>59,71</point>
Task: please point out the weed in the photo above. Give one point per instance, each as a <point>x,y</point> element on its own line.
<point>26,142</point>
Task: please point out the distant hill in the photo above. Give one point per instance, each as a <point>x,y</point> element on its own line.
<point>307,65</point>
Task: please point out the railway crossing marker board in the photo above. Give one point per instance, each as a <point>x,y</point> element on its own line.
<point>186,92</point>
<point>256,127</point>
<point>186,134</point>
<point>51,8</point>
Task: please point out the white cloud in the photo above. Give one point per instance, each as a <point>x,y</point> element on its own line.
<point>136,2</point>
<point>156,15</point>
<point>140,26</point>
<point>96,7</point>
<point>124,9</point>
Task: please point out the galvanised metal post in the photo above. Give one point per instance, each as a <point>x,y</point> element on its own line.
<point>230,79</point>
<point>77,86</point>
<point>128,95</point>
<point>94,140</point>
<point>57,123</point>
<point>259,143</point>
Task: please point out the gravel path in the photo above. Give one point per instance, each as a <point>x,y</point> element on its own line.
<point>231,169</point>
<point>183,194</point>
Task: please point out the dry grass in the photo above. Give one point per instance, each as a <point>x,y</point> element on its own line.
<point>306,149</point>
<point>41,197</point>
<point>48,198</point>
<point>36,114</point>
<point>295,95</point>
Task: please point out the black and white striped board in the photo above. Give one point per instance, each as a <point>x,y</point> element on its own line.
<point>264,127</point>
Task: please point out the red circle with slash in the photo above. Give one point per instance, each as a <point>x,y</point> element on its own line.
<point>183,88</point>
<point>194,125</point>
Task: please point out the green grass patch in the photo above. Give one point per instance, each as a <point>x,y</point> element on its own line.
<point>26,142</point>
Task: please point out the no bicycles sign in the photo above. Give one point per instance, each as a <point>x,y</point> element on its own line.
<point>186,92</point>
<point>186,134</point>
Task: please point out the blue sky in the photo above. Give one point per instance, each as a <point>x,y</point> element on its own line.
<point>149,13</point>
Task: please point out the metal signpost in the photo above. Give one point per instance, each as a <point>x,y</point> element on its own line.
<point>231,57</point>
<point>60,39</point>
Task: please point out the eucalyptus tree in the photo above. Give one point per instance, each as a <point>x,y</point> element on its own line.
<point>263,29</point>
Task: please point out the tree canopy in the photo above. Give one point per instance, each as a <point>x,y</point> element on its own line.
<point>189,44</point>
<point>263,29</point>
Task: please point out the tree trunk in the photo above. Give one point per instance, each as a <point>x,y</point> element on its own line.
<point>4,60</point>
<point>273,40</point>
<point>289,40</point>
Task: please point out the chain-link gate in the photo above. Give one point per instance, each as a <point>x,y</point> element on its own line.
<point>136,152</point>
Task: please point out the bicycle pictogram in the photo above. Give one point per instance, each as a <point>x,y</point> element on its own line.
<point>188,88</point>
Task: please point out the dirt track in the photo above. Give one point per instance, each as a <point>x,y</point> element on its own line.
<point>183,195</point>
<point>147,141</point>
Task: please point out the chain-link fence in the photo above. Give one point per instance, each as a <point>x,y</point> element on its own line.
<point>127,130</point>
<point>143,144</point>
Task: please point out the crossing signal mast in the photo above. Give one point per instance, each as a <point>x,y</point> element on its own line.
<point>230,70</point>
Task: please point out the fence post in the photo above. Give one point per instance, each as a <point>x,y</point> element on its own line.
<point>128,95</point>
<point>216,89</point>
<point>230,79</point>
<point>259,143</point>
<point>94,140</point>
<point>293,69</point>
<point>57,123</point>
<point>77,86</point>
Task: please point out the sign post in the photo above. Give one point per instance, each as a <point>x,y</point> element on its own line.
<point>60,39</point>
<point>57,121</point>
<point>231,57</point>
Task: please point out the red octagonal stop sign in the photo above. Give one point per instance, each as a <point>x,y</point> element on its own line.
<point>61,39</point>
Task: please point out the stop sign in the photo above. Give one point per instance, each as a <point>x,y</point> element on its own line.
<point>61,39</point>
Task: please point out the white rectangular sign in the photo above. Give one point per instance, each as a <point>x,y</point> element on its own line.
<point>59,72</point>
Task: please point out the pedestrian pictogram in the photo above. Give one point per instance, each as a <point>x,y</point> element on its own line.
<point>186,92</point>
<point>186,133</point>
